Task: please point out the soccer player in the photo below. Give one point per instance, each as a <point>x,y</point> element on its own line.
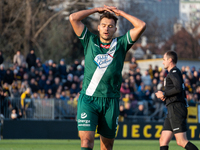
<point>98,103</point>
<point>176,102</point>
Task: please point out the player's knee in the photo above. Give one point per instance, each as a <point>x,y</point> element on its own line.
<point>87,143</point>
<point>108,146</point>
<point>161,141</point>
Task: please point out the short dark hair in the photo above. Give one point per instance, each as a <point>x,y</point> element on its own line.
<point>109,15</point>
<point>172,55</point>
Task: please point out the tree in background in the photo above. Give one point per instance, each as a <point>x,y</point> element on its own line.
<point>27,24</point>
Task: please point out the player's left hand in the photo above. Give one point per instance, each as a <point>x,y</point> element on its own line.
<point>113,9</point>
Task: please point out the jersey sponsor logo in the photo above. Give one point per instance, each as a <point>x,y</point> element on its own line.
<point>103,60</point>
<point>83,121</point>
<point>105,46</point>
<point>175,129</point>
<point>174,71</point>
<point>83,115</point>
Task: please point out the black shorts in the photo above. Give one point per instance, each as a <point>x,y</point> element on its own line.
<point>176,118</point>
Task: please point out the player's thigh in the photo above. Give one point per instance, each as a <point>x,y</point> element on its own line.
<point>106,143</point>
<point>108,122</point>
<point>87,114</point>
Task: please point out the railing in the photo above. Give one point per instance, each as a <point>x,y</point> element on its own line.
<point>42,109</point>
<point>51,109</point>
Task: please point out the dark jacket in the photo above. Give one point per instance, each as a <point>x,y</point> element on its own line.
<point>174,87</point>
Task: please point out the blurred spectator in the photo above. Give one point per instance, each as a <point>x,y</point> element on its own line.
<point>124,88</point>
<point>26,103</point>
<point>35,96</point>
<point>56,85</point>
<point>16,114</point>
<point>24,86</point>
<point>79,71</point>
<point>31,59</point>
<point>62,69</point>
<point>46,67</point>
<point>193,69</point>
<point>132,84</point>
<point>33,85</point>
<point>9,77</point>
<point>183,71</point>
<point>42,82</point>
<point>150,70</point>
<point>6,89</point>
<point>71,70</point>
<point>2,72</point>
<point>18,58</point>
<point>74,90</point>
<point>14,90</point>
<point>50,64</point>
<point>1,57</point>
<point>47,86</point>
<point>17,76</point>
<point>39,67</point>
<point>155,70</point>
<point>196,77</point>
<point>31,73</point>
<point>138,80</point>
<point>190,99</point>
<point>133,64</point>
<point>67,85</point>
<point>4,103</point>
<point>146,79</point>
<point>49,94</point>
<point>24,66</point>
<point>55,70</point>
<point>76,63</point>
<point>26,77</point>
<point>198,82</point>
<point>63,96</point>
<point>127,110</point>
<point>140,110</point>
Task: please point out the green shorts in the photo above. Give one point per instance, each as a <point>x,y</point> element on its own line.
<point>93,111</point>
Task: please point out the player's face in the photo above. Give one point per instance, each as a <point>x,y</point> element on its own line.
<point>106,29</point>
<point>165,62</point>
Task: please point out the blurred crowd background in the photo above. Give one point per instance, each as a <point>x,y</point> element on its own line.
<point>30,84</point>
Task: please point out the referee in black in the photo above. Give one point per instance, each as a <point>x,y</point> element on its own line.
<point>176,102</point>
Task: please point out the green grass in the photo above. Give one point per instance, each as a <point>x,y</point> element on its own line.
<point>75,145</point>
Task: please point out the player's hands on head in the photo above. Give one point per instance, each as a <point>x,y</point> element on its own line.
<point>103,9</point>
<point>113,9</point>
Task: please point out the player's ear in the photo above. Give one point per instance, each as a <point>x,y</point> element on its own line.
<point>115,29</point>
<point>98,28</point>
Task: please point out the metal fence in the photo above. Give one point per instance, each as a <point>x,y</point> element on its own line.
<point>43,109</point>
<point>51,109</point>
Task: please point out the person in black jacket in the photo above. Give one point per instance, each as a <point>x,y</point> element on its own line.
<point>31,59</point>
<point>1,57</point>
<point>176,102</point>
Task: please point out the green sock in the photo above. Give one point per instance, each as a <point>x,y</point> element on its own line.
<point>83,148</point>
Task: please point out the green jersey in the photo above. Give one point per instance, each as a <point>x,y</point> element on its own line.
<point>103,64</point>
